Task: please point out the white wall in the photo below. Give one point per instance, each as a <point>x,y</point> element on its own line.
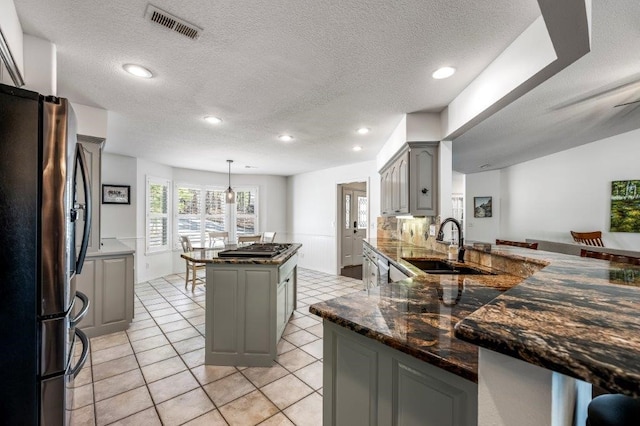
<point>40,66</point>
<point>312,211</point>
<point>116,220</point>
<point>547,197</point>
<point>485,184</point>
<point>152,265</point>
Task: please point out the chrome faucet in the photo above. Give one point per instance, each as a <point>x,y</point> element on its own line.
<point>440,236</point>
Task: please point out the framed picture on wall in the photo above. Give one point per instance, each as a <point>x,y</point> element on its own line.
<point>482,207</point>
<point>625,206</point>
<point>116,194</point>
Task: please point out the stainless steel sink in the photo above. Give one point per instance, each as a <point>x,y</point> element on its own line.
<point>442,267</point>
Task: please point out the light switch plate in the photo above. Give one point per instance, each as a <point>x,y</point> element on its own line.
<point>432,230</point>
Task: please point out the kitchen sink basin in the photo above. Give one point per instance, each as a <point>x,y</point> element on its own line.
<point>434,266</point>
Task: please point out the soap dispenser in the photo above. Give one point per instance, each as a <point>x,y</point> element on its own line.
<point>452,251</point>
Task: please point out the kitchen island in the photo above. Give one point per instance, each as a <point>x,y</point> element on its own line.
<point>554,312</point>
<point>390,354</point>
<point>248,303</point>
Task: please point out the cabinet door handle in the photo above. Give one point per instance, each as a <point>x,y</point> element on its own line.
<point>425,190</point>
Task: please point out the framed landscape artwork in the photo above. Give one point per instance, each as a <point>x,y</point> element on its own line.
<point>625,206</point>
<point>482,207</point>
<point>116,194</point>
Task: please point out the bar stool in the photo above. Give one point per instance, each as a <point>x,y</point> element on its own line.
<point>613,410</point>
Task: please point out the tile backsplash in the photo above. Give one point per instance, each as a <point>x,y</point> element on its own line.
<point>414,231</point>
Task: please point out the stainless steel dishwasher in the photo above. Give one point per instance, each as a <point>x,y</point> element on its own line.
<point>375,269</point>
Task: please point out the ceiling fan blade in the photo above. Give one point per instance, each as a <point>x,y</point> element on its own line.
<point>602,92</point>
<point>627,103</point>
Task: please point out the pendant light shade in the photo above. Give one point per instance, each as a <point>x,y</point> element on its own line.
<point>229,195</point>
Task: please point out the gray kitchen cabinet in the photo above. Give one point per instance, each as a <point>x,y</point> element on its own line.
<point>93,153</point>
<point>423,179</point>
<point>385,188</point>
<point>248,307</point>
<point>107,279</point>
<point>409,181</point>
<point>366,382</point>
<point>394,185</point>
<point>285,301</point>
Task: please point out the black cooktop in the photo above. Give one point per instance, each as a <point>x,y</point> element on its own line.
<point>256,250</point>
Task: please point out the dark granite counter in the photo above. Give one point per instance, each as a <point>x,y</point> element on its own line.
<point>417,315</point>
<point>577,316</point>
<point>211,256</point>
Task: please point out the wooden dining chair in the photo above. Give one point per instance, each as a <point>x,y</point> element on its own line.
<point>610,257</point>
<point>588,238</point>
<point>249,238</point>
<point>268,237</point>
<point>532,246</point>
<point>192,267</point>
<point>218,237</point>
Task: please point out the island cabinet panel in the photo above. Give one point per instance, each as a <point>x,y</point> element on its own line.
<point>356,377</point>
<point>225,311</point>
<point>108,282</point>
<point>259,305</point>
<point>248,307</point>
<point>367,382</point>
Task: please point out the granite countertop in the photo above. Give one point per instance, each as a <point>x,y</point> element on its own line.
<point>577,316</point>
<point>573,315</point>
<point>111,247</point>
<point>210,256</point>
<point>417,315</point>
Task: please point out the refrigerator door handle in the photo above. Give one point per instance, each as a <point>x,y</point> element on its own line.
<point>85,353</point>
<point>83,311</point>
<point>81,161</point>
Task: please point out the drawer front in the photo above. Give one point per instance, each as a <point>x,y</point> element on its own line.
<point>287,267</point>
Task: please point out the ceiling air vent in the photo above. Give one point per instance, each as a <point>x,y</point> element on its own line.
<point>167,20</point>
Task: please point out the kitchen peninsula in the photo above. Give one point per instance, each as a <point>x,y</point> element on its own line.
<point>249,301</point>
<point>396,353</point>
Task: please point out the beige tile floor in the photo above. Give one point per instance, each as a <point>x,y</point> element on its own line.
<point>154,373</point>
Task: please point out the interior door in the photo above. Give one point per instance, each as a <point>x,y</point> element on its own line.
<point>354,225</point>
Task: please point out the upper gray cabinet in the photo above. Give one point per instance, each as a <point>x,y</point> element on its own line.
<point>409,182</point>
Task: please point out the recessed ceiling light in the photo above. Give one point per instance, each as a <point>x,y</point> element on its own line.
<point>137,70</point>
<point>285,138</point>
<point>443,72</point>
<point>357,148</point>
<point>213,120</point>
<point>363,130</point>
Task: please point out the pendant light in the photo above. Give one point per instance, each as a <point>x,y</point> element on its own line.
<point>230,196</point>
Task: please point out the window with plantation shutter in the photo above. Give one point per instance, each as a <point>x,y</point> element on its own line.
<point>199,210</point>
<point>157,214</point>
<point>246,212</point>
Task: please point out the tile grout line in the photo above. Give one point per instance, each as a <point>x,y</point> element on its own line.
<point>158,286</point>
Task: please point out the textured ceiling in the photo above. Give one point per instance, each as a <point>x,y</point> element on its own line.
<point>315,69</point>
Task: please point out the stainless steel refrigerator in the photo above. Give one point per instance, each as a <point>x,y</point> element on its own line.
<point>39,161</point>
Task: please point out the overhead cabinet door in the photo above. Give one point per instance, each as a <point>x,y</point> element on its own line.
<point>409,182</point>
<point>424,179</point>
